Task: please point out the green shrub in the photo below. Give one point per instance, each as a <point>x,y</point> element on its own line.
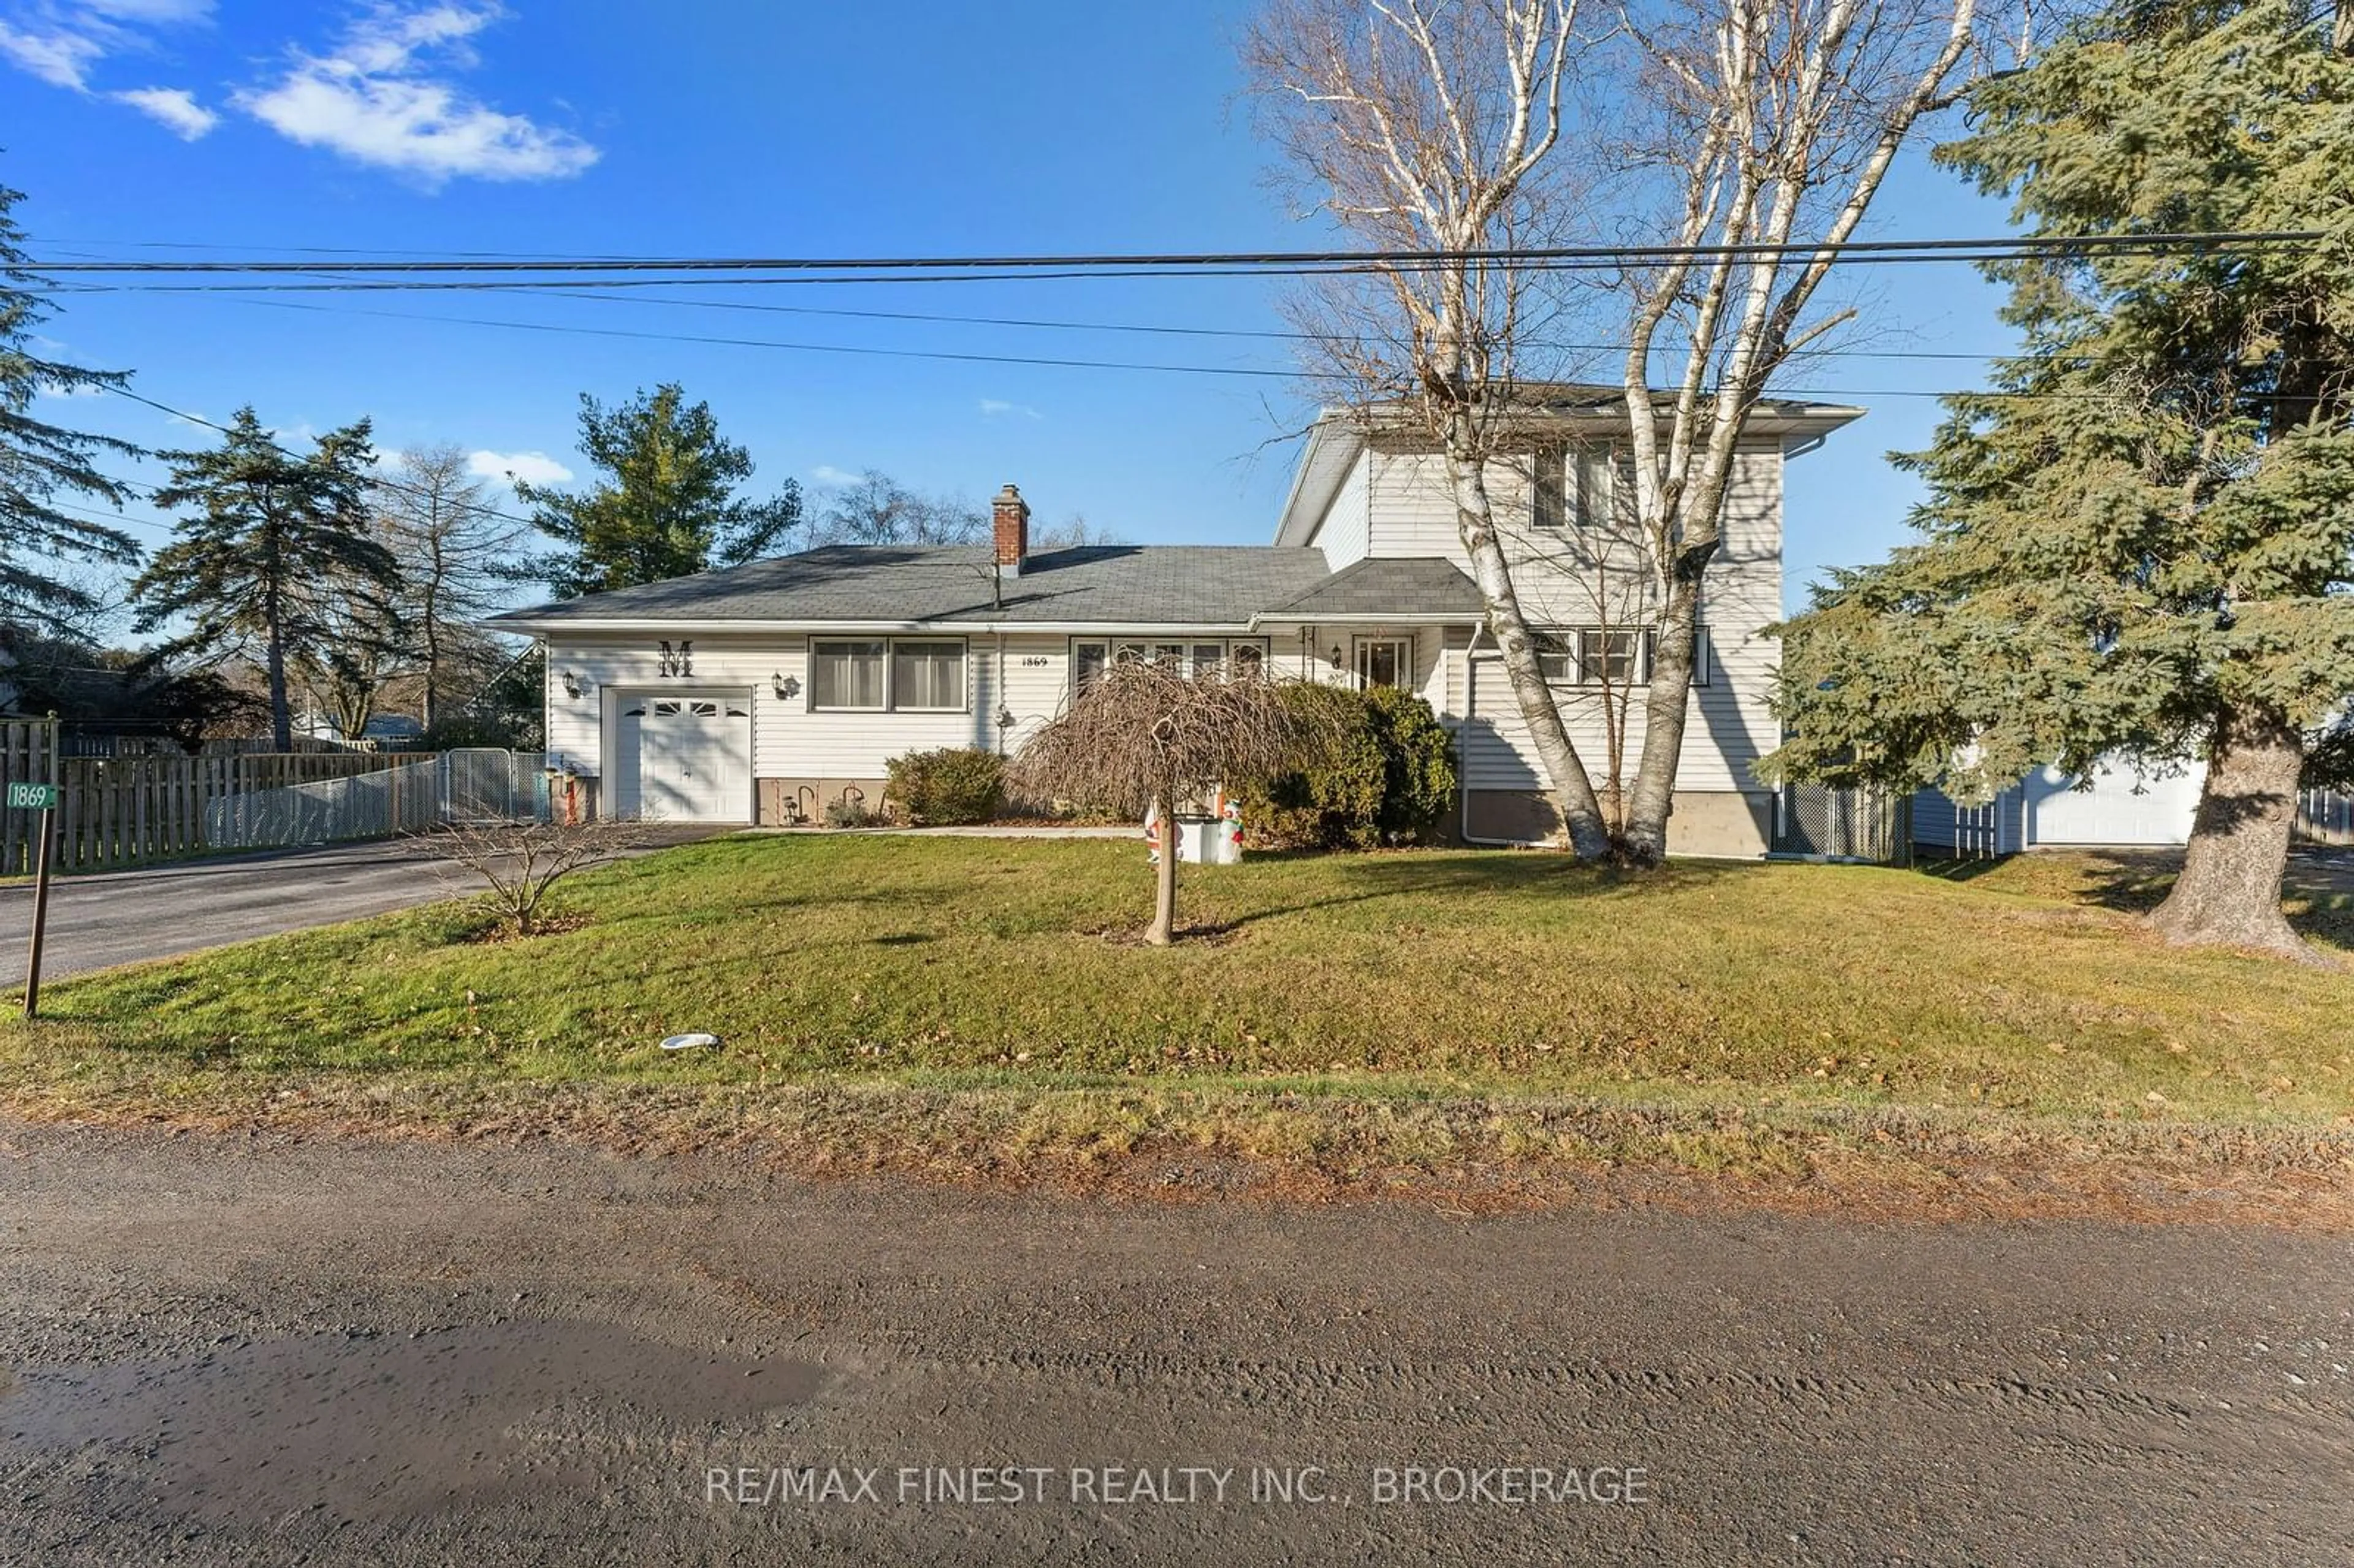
<point>952,785</point>
<point>1387,777</point>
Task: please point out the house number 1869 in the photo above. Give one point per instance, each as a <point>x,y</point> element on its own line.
<point>1035,661</point>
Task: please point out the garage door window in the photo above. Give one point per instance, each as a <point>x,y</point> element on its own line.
<point>846,675</point>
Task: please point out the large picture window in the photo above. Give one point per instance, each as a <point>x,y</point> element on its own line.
<point>927,676</point>
<point>873,674</point>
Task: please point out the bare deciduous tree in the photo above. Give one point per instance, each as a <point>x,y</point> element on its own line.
<point>1421,125</point>
<point>876,509</point>
<point>517,865</point>
<point>458,556</point>
<point>1743,139</point>
<point>1769,129</point>
<point>1143,734</point>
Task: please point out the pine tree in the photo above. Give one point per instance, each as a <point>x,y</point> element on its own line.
<point>267,564</point>
<point>669,508</point>
<point>40,462</point>
<point>2141,541</point>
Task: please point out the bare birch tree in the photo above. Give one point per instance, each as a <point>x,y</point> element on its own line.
<point>1762,132</point>
<point>1431,125</point>
<point>1744,139</point>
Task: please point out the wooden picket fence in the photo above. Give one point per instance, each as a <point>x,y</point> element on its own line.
<point>128,810</point>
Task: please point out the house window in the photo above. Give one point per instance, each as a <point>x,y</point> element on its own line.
<point>1597,656</point>
<point>1384,662</point>
<point>1091,656</point>
<point>927,676</point>
<point>1605,487</point>
<point>1610,657</point>
<point>846,675</point>
<point>1550,488</point>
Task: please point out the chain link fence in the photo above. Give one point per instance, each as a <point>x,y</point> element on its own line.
<point>1815,820</point>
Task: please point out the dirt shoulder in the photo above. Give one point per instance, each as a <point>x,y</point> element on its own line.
<point>1461,1154</point>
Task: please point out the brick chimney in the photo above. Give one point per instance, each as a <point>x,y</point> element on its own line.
<point>1011,514</point>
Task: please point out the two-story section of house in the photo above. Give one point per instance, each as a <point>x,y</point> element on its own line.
<point>763,693</point>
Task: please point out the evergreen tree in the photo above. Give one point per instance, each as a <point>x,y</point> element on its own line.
<point>40,462</point>
<point>669,508</point>
<point>267,565</point>
<point>2141,543</point>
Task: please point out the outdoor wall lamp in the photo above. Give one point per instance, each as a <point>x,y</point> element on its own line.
<point>572,683</point>
<point>1336,655</point>
<point>785,686</point>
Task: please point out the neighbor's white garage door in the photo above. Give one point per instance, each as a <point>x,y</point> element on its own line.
<point>683,756</point>
<point>2121,808</point>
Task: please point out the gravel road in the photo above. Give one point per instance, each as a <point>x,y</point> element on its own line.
<point>258,1350</point>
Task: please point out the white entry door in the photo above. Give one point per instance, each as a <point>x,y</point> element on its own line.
<point>683,756</point>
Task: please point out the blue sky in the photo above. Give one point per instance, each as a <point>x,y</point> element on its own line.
<point>157,129</point>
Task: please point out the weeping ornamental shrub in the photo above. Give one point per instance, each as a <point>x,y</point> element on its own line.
<point>957,784</point>
<point>1387,779</point>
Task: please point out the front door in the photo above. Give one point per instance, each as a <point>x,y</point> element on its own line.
<point>1384,662</point>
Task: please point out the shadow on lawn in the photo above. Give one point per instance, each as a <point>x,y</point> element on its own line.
<point>2318,894</point>
<point>1408,874</point>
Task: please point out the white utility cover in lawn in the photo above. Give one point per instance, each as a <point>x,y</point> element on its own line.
<point>683,756</point>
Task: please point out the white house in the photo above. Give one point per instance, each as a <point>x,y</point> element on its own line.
<point>762,692</point>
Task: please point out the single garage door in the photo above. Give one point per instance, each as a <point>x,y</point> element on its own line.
<point>2121,808</point>
<point>684,756</point>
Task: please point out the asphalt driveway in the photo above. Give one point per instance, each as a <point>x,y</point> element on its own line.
<point>104,918</point>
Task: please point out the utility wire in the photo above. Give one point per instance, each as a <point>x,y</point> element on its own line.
<point>389,484</point>
<point>1607,255</point>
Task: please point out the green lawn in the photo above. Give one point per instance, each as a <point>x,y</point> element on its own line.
<point>956,995</point>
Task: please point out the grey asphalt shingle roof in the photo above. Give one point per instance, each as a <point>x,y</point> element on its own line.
<point>1385,586</point>
<point>1141,585</point>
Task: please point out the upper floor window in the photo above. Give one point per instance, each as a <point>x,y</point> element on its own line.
<point>1605,486</point>
<point>1550,490</point>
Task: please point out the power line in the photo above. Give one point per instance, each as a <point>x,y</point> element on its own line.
<point>1035,360</point>
<point>385,483</point>
<point>568,290</point>
<point>1995,248</point>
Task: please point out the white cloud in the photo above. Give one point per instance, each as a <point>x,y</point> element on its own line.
<point>376,99</point>
<point>176,107</point>
<point>997,408</point>
<point>532,467</point>
<point>826,474</point>
<point>59,56</point>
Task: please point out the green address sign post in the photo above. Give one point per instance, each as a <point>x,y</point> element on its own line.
<point>41,797</point>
